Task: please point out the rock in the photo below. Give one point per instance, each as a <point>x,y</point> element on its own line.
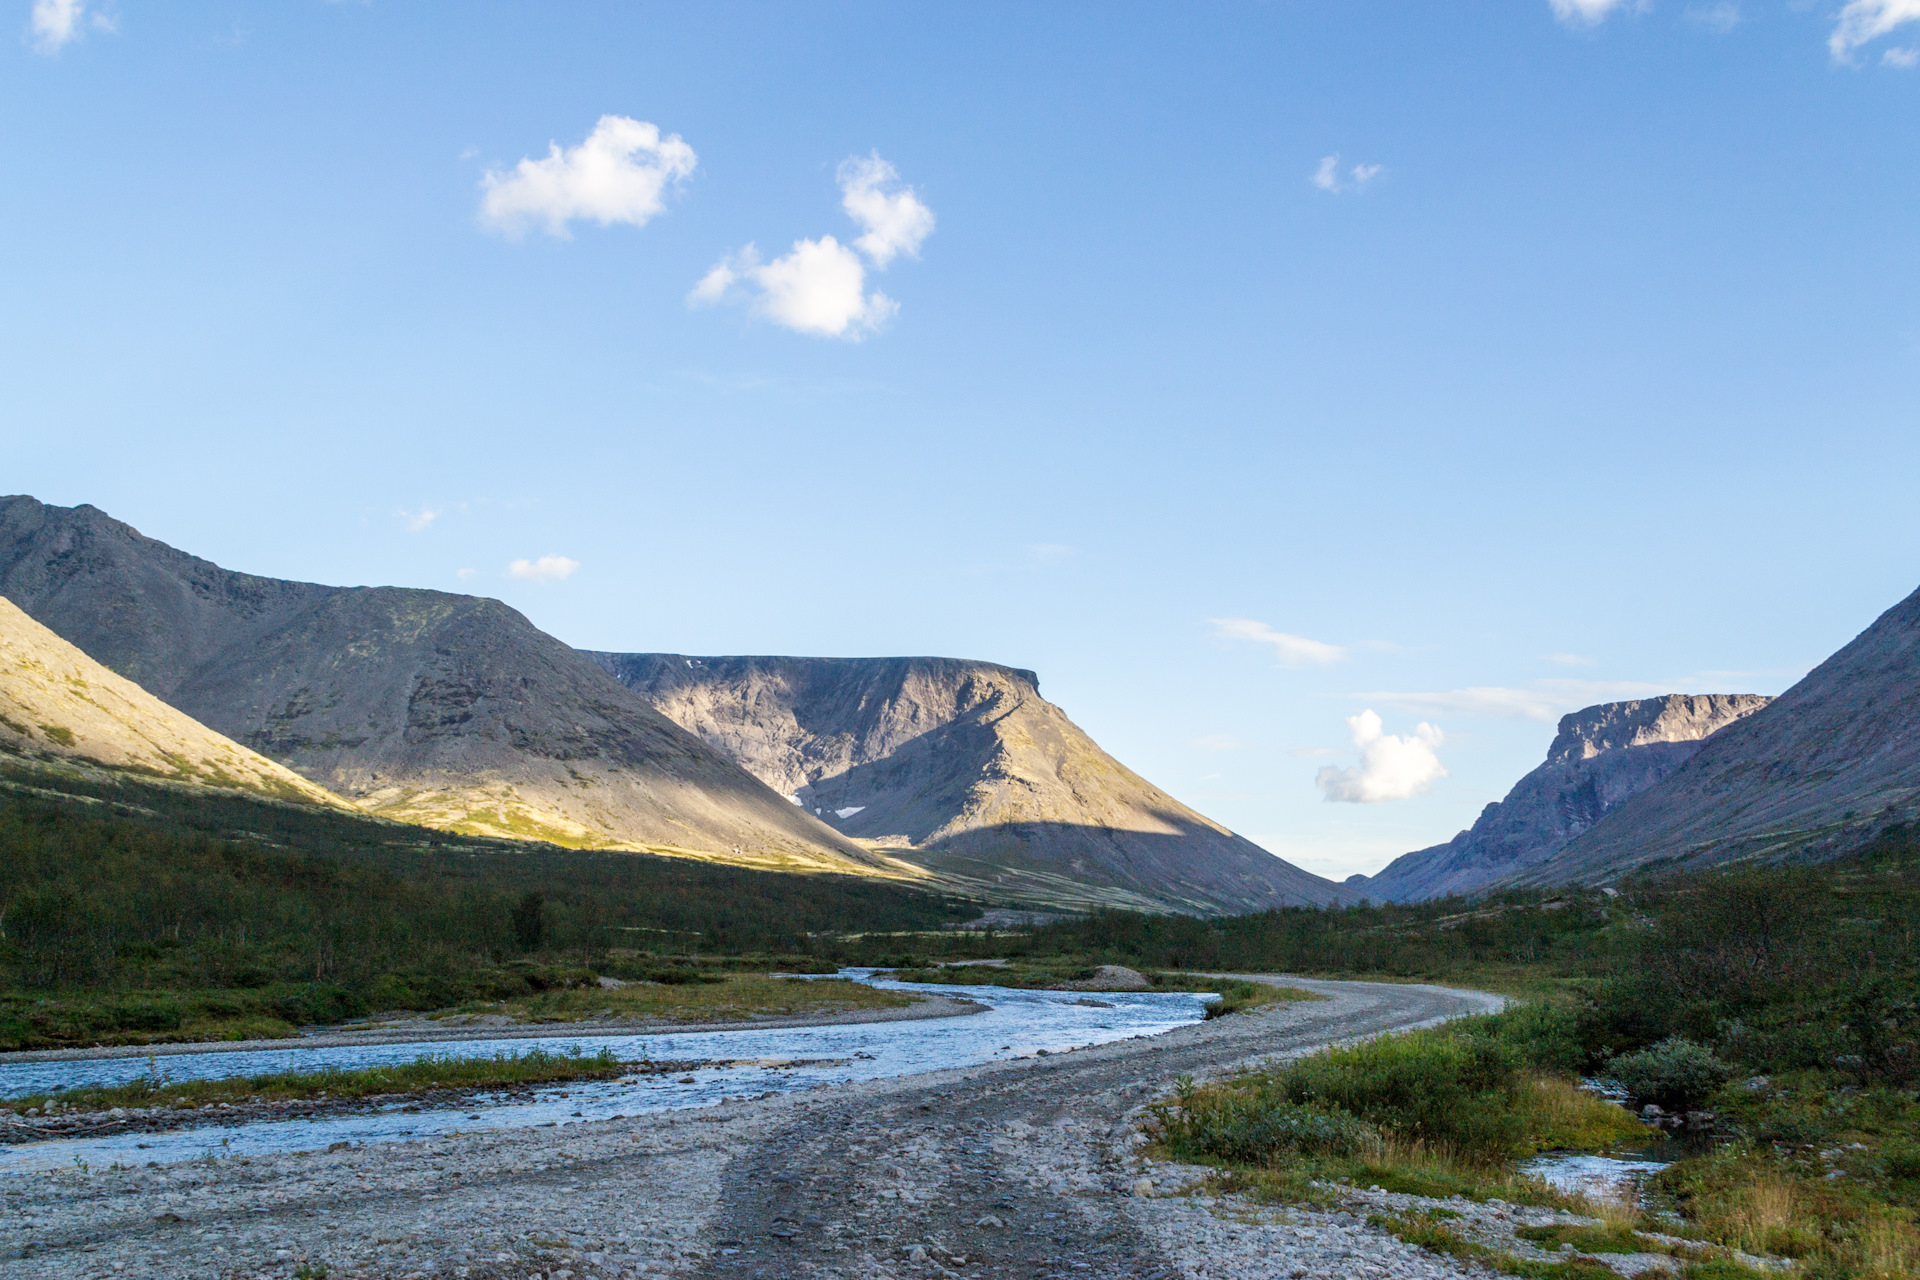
<point>1143,1186</point>
<point>992,1220</point>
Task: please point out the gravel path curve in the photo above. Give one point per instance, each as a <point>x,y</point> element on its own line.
<point>1016,1169</point>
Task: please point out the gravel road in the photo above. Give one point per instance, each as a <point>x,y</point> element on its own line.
<point>1015,1169</point>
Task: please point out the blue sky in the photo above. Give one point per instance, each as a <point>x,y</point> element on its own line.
<point>1584,368</point>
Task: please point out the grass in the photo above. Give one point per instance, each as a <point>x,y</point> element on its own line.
<point>422,1075</point>
<point>731,996</point>
<point>1061,973</point>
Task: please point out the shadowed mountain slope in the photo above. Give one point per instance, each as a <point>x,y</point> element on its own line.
<point>58,704</point>
<point>1827,767</point>
<point>1602,757</point>
<point>964,768</point>
<point>445,710</point>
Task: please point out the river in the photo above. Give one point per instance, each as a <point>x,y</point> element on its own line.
<point>1017,1024</point>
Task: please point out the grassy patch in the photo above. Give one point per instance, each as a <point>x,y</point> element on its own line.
<point>424,1074</point>
<point>1064,972</point>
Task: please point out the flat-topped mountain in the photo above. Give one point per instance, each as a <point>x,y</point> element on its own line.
<point>964,768</point>
<point>1602,757</point>
<point>1825,768</point>
<point>445,710</point>
<point>57,704</point>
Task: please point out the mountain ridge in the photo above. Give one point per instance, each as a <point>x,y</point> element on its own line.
<point>961,766</point>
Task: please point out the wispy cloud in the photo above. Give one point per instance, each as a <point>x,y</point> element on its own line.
<point>55,24</point>
<point>1216,742</point>
<point>1289,650</point>
<point>1392,766</point>
<point>1901,59</point>
<point>619,174</point>
<point>1545,700</point>
<point>1587,13</point>
<point>465,574</point>
<point>1329,178</point>
<point>1864,21</point>
<point>1717,18</point>
<point>1051,553</point>
<point>417,521</point>
<point>545,569</point>
<point>820,286</point>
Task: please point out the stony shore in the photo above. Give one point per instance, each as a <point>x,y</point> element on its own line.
<point>1026,1168</point>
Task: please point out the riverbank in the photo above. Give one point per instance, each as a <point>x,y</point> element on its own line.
<point>1013,1168</point>
<point>413,1029</point>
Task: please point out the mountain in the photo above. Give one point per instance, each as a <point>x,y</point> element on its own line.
<point>1824,769</point>
<point>963,768</point>
<point>445,710</point>
<point>1602,757</point>
<point>57,704</point>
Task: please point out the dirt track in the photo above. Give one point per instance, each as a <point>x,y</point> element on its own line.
<point>1015,1169</point>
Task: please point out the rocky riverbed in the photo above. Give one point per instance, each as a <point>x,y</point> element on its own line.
<point>1022,1168</point>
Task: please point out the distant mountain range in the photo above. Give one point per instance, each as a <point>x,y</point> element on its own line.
<point>963,768</point>
<point>1825,768</point>
<point>455,712</point>
<point>1601,759</point>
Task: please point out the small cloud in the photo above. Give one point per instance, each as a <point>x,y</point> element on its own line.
<point>820,286</point>
<point>57,23</point>
<point>1717,18</point>
<point>619,174</point>
<point>417,521</point>
<point>1864,21</point>
<point>1328,177</point>
<point>1051,553</point>
<point>1312,753</point>
<point>1587,13</point>
<point>545,569</point>
<point>1391,767</point>
<point>465,574</point>
<point>1901,59</point>
<point>1290,650</point>
<point>1216,742</point>
<point>469,152</point>
<point>1572,660</point>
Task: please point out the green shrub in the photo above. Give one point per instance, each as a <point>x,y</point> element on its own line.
<point>1675,1073</point>
<point>1252,1126</point>
<point>1431,1086</point>
<point>1541,1035</point>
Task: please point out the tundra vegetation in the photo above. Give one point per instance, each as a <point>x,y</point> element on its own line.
<point>1778,1005</point>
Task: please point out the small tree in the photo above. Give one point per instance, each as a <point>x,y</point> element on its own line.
<point>529,921</point>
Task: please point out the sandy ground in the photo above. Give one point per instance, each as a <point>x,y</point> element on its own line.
<point>1027,1168</point>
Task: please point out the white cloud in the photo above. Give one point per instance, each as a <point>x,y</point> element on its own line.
<point>545,569</point>
<point>1545,700</point>
<point>58,23</point>
<point>464,574</point>
<point>1391,767</point>
<point>1864,21</point>
<point>1903,59</point>
<point>417,521</point>
<point>1585,13</point>
<point>1289,650</point>
<point>820,287</point>
<point>1216,742</point>
<point>1328,178</point>
<point>895,222</point>
<point>619,174</point>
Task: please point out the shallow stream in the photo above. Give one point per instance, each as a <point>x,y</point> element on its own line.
<point>1016,1024</point>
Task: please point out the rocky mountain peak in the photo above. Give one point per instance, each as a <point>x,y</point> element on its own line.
<point>1674,717</point>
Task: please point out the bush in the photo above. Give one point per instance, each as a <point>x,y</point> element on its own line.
<point>1541,1035</point>
<point>1252,1126</point>
<point>1676,1073</point>
<point>1432,1086</point>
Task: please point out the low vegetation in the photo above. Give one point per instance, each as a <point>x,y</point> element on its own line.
<point>432,1072</point>
<point>1235,994</point>
<point>729,996</point>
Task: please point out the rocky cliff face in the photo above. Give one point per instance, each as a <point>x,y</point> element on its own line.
<point>450,711</point>
<point>964,768</point>
<point>57,704</point>
<point>1602,757</point>
<point>1826,767</point>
